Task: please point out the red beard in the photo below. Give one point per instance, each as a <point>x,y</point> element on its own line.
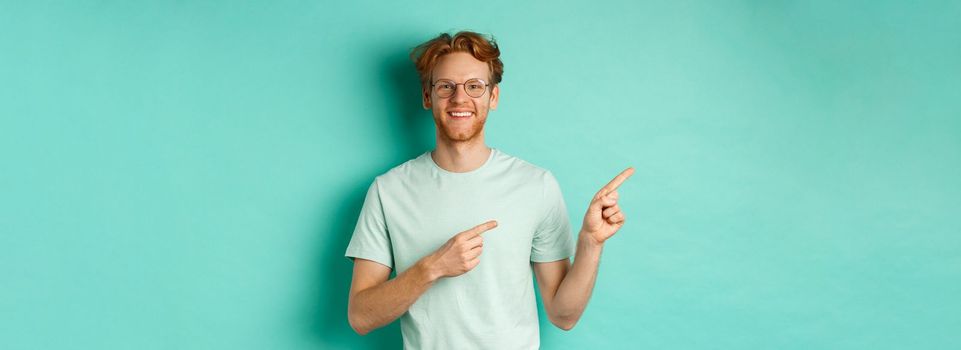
<point>457,132</point>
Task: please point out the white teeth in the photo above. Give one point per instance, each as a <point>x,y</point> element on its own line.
<point>461,114</point>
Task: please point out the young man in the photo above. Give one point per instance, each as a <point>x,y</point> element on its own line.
<point>464,224</point>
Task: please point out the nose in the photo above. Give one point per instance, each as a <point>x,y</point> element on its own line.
<point>460,94</point>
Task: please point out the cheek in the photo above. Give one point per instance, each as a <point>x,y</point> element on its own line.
<point>437,114</point>
<point>482,103</point>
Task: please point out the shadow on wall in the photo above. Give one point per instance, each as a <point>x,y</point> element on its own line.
<point>417,131</point>
<point>328,314</point>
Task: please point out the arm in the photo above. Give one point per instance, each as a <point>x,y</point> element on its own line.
<point>565,293</point>
<point>565,290</point>
<point>374,303</point>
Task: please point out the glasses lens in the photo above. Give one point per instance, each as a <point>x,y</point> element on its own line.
<point>444,88</point>
<point>475,87</point>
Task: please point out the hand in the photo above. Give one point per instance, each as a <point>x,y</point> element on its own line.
<point>604,216</point>
<point>461,253</point>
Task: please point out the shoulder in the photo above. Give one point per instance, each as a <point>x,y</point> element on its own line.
<point>402,172</point>
<point>529,172</point>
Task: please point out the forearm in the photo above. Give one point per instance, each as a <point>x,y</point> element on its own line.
<point>378,306</point>
<point>576,288</point>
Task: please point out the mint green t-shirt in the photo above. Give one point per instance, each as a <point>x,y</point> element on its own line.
<point>414,208</point>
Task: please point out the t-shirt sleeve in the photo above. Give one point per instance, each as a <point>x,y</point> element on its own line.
<point>371,240</point>
<point>552,239</point>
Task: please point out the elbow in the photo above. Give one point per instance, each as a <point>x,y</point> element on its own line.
<point>563,319</point>
<point>359,330</point>
<point>357,325</point>
<point>563,323</point>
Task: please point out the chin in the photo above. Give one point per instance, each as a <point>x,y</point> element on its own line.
<point>460,133</point>
<point>460,137</point>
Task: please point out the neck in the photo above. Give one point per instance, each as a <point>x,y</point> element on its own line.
<point>460,157</point>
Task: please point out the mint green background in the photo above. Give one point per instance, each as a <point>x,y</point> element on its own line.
<point>186,175</point>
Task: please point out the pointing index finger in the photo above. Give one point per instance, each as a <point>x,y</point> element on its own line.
<point>487,226</point>
<point>616,182</point>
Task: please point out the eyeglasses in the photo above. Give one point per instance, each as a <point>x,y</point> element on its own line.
<point>445,88</point>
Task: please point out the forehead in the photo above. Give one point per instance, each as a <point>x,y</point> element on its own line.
<point>460,66</point>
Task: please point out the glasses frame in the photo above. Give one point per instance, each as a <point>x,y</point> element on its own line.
<point>486,87</point>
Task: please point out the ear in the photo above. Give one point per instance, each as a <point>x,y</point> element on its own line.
<point>425,96</point>
<point>495,93</point>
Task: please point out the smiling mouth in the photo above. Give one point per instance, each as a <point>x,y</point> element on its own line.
<point>460,115</point>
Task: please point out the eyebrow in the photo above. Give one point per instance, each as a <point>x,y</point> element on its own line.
<point>480,78</point>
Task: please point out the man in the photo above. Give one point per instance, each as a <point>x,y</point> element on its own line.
<point>461,283</point>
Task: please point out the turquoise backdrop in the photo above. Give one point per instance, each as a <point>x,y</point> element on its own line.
<point>186,174</point>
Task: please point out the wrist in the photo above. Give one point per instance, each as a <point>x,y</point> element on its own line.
<point>586,239</point>
<point>426,267</point>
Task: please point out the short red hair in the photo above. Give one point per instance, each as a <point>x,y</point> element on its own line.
<point>483,49</point>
